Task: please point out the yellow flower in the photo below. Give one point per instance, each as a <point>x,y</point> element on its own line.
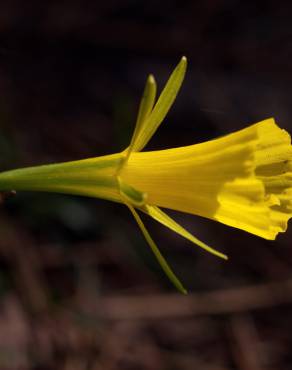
<point>243,179</point>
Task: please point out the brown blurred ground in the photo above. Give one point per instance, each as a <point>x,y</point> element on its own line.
<point>78,287</point>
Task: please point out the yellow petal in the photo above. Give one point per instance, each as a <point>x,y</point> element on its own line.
<point>167,221</point>
<point>131,195</point>
<point>164,265</point>
<point>151,123</point>
<point>145,109</point>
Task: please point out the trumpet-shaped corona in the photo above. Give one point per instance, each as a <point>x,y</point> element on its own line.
<point>243,179</point>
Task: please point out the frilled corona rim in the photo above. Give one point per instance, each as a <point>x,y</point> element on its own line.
<point>242,179</point>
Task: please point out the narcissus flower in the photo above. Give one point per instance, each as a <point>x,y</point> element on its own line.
<point>243,179</point>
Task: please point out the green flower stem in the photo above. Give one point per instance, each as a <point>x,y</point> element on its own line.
<point>89,177</point>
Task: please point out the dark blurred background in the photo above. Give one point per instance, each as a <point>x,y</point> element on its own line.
<point>79,288</point>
